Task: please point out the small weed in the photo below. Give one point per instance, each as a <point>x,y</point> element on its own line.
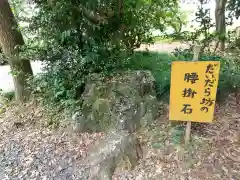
<point>6,96</point>
<point>177,134</point>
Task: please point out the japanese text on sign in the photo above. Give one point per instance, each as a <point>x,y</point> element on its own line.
<point>193,90</point>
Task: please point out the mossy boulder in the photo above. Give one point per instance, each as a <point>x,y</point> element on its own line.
<point>125,101</point>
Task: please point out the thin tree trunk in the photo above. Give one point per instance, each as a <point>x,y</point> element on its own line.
<point>221,22</point>
<point>237,32</point>
<point>11,40</point>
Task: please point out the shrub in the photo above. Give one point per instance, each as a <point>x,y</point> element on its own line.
<point>2,59</point>
<point>90,37</point>
<point>158,63</point>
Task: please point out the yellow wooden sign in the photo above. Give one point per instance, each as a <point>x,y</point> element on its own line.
<point>193,90</point>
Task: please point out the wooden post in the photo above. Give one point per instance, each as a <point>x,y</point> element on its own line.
<point>197,49</point>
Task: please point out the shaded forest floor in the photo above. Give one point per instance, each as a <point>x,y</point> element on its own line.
<point>29,150</point>
<point>213,154</point>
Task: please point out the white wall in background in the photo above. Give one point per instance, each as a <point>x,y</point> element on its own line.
<point>6,81</point>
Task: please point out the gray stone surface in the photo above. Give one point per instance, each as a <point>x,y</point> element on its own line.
<point>125,101</point>
<point>118,149</point>
<point>118,105</point>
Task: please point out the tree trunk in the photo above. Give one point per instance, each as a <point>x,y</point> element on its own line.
<point>11,40</point>
<point>220,22</point>
<point>237,32</point>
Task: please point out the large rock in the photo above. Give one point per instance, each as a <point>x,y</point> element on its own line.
<point>125,101</point>
<point>117,149</point>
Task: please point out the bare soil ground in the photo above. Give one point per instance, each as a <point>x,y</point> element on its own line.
<point>213,154</point>
<point>163,47</point>
<point>29,150</point>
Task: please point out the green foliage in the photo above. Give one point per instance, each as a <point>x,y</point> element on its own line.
<point>76,38</point>
<point>206,33</point>
<point>177,133</point>
<point>187,55</point>
<point>58,85</point>
<point>233,8</point>
<point>230,73</point>
<point>232,41</point>
<point>64,82</point>
<point>8,96</point>
<point>229,79</point>
<point>158,63</point>
<point>203,33</point>
<point>2,59</point>
<point>98,27</point>
<point>183,54</point>
<point>60,89</point>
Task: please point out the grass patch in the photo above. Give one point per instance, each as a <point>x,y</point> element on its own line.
<point>7,96</point>
<point>160,66</point>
